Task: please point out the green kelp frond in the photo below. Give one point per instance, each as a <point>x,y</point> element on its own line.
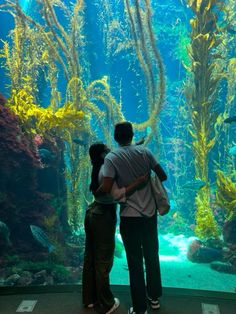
<point>226,194</point>
<point>206,226</point>
<point>180,50</point>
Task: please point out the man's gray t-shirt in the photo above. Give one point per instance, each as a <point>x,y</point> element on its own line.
<point>124,165</point>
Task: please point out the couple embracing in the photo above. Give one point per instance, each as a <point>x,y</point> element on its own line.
<point>122,176</point>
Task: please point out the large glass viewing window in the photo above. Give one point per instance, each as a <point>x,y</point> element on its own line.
<point>72,69</point>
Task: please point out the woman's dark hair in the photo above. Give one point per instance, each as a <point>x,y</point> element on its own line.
<point>96,151</point>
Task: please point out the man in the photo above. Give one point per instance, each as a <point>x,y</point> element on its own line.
<point>138,224</point>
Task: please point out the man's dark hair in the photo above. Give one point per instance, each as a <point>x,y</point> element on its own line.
<point>123,132</point>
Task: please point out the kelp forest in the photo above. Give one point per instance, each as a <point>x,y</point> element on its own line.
<point>71,70</point>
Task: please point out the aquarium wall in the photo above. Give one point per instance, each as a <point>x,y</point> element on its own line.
<point>69,71</point>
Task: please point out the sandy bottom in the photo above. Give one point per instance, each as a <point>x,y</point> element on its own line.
<point>177,271</point>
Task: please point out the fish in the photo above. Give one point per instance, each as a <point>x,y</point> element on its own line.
<point>231,31</point>
<point>5,233</point>
<point>42,238</point>
<point>232,150</point>
<point>194,185</point>
<point>230,119</point>
<point>79,141</point>
<point>83,139</point>
<point>223,267</point>
<point>175,215</point>
<point>46,155</point>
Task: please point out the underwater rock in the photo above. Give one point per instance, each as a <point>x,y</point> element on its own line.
<point>61,274</point>
<point>46,155</point>
<point>75,274</point>
<point>49,280</point>
<point>39,278</point>
<point>12,280</point>
<point>26,278</point>
<point>198,253</point>
<point>229,231</point>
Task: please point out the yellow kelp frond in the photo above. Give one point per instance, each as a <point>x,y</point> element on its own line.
<point>78,6</point>
<point>100,90</point>
<point>64,118</point>
<point>201,5</point>
<point>232,68</point>
<point>206,226</point>
<point>202,88</point>
<point>41,120</point>
<point>226,194</point>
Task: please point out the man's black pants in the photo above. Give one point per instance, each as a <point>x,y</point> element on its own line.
<point>140,239</point>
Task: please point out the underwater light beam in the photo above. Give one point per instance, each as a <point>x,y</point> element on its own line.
<point>25,4</point>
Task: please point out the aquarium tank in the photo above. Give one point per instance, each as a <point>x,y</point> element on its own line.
<point>70,70</point>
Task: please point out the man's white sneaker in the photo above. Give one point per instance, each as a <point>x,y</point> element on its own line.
<point>131,311</point>
<point>89,306</point>
<point>155,305</point>
<point>115,306</point>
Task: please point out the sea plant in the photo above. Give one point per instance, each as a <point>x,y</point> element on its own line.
<point>228,61</point>
<point>183,41</point>
<point>226,194</point>
<point>144,41</point>
<point>201,93</point>
<point>138,42</point>
<point>44,121</point>
<point>206,225</point>
<point>59,49</point>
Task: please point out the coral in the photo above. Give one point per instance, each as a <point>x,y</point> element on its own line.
<point>14,144</point>
<point>226,195</point>
<point>21,204</point>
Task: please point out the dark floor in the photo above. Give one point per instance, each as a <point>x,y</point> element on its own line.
<point>174,301</point>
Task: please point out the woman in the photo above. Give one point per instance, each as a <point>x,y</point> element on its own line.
<point>100,225</point>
